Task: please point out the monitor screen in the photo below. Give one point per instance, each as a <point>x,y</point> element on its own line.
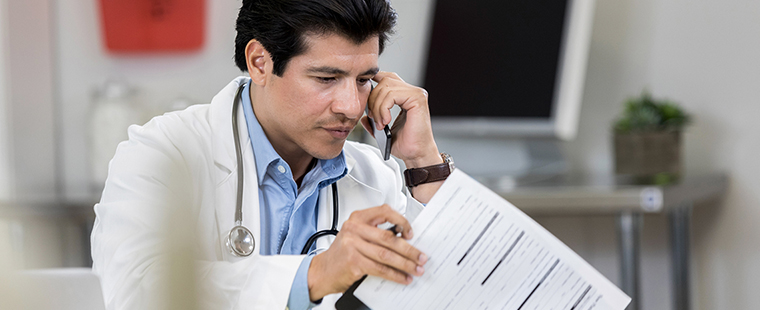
<point>502,66</point>
<point>494,58</point>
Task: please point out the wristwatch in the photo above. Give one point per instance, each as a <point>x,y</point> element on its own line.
<point>439,172</point>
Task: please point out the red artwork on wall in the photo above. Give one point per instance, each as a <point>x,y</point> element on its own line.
<point>153,25</point>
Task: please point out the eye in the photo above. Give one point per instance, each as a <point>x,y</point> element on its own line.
<point>325,79</point>
<point>362,81</point>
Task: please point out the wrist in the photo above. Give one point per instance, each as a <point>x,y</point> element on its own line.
<point>424,182</point>
<point>424,192</point>
<point>429,159</point>
<point>317,289</point>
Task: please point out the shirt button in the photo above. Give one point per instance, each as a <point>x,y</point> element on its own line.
<point>281,168</point>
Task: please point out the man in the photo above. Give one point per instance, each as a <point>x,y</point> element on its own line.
<point>310,64</point>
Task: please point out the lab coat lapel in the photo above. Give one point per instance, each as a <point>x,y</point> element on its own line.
<point>324,217</point>
<point>352,195</point>
<point>226,169</point>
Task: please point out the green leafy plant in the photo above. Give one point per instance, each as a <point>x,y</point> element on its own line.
<point>645,113</point>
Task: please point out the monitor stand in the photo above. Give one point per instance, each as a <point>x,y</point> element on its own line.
<point>505,163</point>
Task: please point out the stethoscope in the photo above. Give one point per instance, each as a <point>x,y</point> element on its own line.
<point>240,240</point>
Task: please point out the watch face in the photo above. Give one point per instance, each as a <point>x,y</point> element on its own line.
<point>449,160</point>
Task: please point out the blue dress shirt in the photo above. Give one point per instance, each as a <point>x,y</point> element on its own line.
<point>283,205</point>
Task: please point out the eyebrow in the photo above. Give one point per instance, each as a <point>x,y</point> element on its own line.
<point>336,71</point>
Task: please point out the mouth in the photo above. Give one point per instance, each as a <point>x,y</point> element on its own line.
<point>339,132</point>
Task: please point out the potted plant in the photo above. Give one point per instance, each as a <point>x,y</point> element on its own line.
<point>648,139</point>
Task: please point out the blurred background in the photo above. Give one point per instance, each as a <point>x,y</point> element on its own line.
<point>65,96</point>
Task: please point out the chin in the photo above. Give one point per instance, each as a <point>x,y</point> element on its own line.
<point>327,151</point>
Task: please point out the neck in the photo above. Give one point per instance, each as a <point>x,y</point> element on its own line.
<point>299,161</point>
<point>299,166</point>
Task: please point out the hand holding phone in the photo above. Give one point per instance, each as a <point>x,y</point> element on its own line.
<point>383,137</point>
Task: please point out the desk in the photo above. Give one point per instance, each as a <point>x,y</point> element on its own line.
<point>621,196</point>
<point>566,195</point>
<point>74,243</point>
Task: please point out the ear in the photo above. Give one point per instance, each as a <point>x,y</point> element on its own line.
<point>257,58</point>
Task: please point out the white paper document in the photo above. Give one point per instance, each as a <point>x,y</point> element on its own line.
<point>484,253</point>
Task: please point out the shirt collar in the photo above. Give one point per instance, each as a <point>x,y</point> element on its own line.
<point>264,153</point>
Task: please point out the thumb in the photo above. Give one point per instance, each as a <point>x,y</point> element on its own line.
<point>367,125</point>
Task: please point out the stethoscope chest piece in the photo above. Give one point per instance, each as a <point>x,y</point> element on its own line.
<point>240,241</point>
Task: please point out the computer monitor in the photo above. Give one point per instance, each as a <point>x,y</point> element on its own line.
<point>504,70</point>
<point>508,67</point>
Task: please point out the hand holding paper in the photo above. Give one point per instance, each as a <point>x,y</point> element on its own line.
<point>362,248</point>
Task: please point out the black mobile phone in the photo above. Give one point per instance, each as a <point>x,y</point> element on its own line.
<point>383,137</point>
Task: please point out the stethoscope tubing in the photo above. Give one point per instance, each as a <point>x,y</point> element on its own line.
<point>333,229</point>
<point>239,157</point>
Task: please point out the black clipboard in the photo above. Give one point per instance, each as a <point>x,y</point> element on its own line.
<point>348,301</point>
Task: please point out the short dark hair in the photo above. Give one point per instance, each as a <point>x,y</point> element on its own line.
<point>281,25</point>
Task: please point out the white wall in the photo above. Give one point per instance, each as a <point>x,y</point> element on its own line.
<point>84,64</point>
<point>27,149</point>
<point>704,55</point>
<point>29,94</point>
<point>406,50</point>
<point>619,58</point>
<point>5,150</point>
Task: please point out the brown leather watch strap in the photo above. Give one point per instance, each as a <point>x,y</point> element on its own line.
<point>417,176</point>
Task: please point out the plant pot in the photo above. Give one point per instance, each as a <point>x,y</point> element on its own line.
<point>648,154</point>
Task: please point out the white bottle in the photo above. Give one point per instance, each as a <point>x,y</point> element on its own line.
<point>114,109</point>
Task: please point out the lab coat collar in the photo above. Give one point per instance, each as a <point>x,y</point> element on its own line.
<point>220,115</point>
<point>350,163</point>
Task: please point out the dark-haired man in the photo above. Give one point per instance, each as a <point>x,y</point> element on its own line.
<point>310,65</point>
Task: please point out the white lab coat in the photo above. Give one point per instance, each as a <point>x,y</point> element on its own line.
<point>187,159</point>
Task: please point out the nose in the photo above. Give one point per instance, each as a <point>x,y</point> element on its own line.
<point>349,101</point>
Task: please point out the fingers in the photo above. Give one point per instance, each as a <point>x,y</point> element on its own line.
<point>365,259</point>
<point>362,248</point>
<point>389,264</point>
<point>381,252</point>
<point>383,246</point>
<point>388,240</point>
<point>379,107</point>
<point>384,74</point>
<point>379,215</point>
<point>392,90</point>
